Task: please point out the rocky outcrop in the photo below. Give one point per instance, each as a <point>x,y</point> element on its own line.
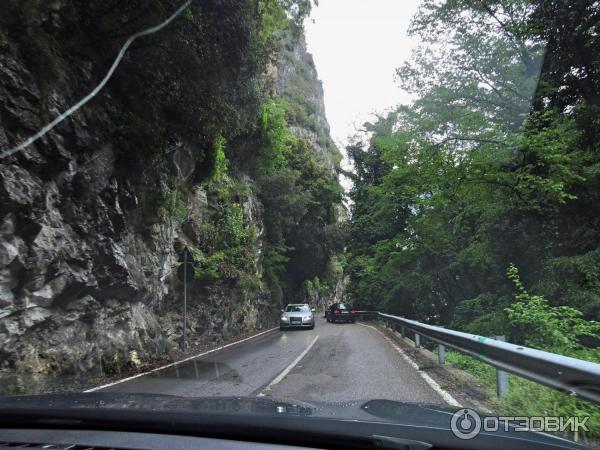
<point>87,257</point>
<point>88,253</point>
<point>298,83</point>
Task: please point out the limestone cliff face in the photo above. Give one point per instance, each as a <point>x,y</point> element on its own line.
<point>87,259</point>
<point>298,83</point>
<point>80,266</point>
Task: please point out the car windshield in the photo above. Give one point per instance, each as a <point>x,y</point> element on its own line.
<point>297,308</point>
<point>324,203</point>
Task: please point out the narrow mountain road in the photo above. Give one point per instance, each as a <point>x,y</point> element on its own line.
<point>332,363</point>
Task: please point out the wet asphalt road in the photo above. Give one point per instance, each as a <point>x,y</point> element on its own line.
<point>345,362</point>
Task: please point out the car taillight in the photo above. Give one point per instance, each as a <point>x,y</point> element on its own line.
<point>353,311</point>
<point>336,311</point>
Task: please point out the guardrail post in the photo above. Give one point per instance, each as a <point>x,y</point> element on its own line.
<point>417,340</point>
<point>403,331</point>
<point>441,354</point>
<point>501,375</point>
<point>441,351</point>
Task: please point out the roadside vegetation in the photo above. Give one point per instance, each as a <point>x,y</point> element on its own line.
<point>558,329</point>
<point>526,398</point>
<point>493,170</point>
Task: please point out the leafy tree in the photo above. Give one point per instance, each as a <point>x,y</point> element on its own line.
<point>554,328</point>
<point>494,161</point>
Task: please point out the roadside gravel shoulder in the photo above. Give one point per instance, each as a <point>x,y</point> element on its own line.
<point>464,387</point>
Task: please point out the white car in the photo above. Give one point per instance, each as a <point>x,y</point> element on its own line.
<point>297,315</point>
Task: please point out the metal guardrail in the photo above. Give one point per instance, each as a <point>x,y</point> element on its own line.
<point>574,376</point>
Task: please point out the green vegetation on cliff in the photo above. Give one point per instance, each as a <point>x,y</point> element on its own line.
<point>300,198</point>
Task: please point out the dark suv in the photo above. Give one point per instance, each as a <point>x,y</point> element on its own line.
<point>341,312</point>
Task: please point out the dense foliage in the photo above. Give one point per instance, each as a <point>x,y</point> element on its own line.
<point>301,200</point>
<point>495,163</point>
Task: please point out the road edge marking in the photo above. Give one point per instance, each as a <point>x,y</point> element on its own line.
<point>448,398</point>
<point>288,369</point>
<point>176,363</point>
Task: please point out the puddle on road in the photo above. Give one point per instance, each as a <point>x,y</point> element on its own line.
<point>24,383</point>
<point>199,370</point>
<point>32,383</point>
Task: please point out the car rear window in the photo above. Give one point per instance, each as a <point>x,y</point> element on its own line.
<point>341,306</point>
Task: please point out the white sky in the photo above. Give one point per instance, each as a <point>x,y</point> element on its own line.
<point>357,45</point>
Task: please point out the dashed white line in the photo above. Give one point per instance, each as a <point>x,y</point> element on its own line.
<point>289,368</point>
<point>176,363</point>
<point>430,381</point>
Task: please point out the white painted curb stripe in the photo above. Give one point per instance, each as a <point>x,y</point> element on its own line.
<point>176,363</point>
<point>289,368</point>
<point>430,381</point>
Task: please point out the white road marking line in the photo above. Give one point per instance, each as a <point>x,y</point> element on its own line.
<point>430,381</point>
<point>289,368</point>
<point>176,363</point>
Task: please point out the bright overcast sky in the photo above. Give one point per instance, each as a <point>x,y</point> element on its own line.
<point>357,45</point>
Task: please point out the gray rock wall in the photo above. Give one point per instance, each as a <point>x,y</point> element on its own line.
<point>86,259</point>
<point>87,262</point>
